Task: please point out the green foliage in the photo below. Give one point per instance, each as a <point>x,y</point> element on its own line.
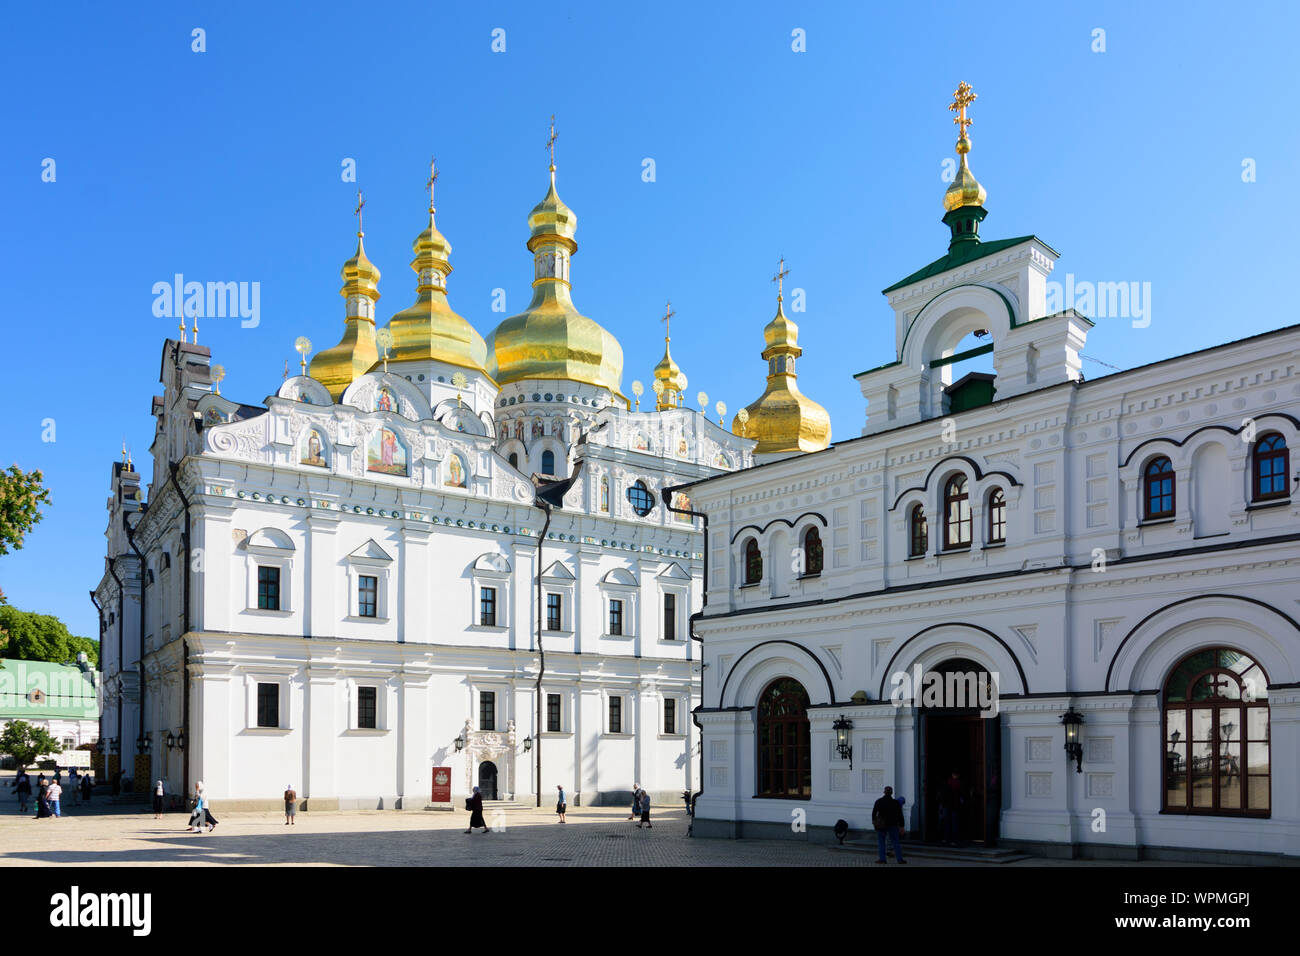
<point>25,635</point>
<point>26,742</point>
<point>21,495</point>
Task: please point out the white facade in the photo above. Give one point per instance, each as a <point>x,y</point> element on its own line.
<point>1087,603</point>
<point>375,655</point>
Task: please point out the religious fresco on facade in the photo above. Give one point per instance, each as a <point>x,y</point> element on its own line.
<point>313,450</point>
<point>640,442</point>
<point>213,416</point>
<point>519,429</point>
<point>538,429</point>
<point>683,448</point>
<point>681,501</point>
<point>455,472</point>
<point>385,400</point>
<point>604,493</point>
<point>721,460</point>
<point>385,454</point>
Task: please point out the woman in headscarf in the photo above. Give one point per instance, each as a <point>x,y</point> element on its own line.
<point>157,799</point>
<point>475,807</point>
<point>43,798</point>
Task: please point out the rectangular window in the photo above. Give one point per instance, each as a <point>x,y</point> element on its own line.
<point>553,713</point>
<point>268,589</point>
<point>616,617</point>
<point>367,595</point>
<point>670,716</point>
<point>616,715</point>
<point>487,607</point>
<point>268,705</point>
<point>368,707</point>
<point>670,617</point>
<point>487,710</point>
<point>553,617</point>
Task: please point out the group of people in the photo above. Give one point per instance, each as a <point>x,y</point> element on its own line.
<point>201,813</point>
<point>49,792</point>
<point>640,807</point>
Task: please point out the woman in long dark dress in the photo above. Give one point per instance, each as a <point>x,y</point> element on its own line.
<point>475,806</point>
<point>43,801</point>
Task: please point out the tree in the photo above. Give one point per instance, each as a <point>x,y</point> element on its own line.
<point>26,742</point>
<point>21,495</point>
<point>25,635</point>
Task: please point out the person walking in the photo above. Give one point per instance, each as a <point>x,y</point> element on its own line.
<point>560,805</point>
<point>42,798</point>
<point>54,794</point>
<point>475,807</point>
<point>290,805</point>
<point>196,815</point>
<point>645,811</point>
<point>87,787</point>
<point>887,818</point>
<point>207,811</point>
<point>157,800</point>
<point>636,801</point>
<point>23,784</point>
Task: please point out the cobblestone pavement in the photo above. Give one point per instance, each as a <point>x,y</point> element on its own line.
<point>107,835</point>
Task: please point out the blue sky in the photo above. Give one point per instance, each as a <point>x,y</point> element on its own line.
<point>225,166</point>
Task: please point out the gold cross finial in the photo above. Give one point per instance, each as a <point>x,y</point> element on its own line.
<point>124,451</point>
<point>361,202</point>
<point>286,370</point>
<point>667,319</point>
<point>550,142</point>
<point>432,180</point>
<point>962,98</point>
<point>779,279</point>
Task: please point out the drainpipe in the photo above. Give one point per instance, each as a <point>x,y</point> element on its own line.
<point>144,604</point>
<point>541,655</point>
<point>121,606</point>
<point>667,494</point>
<point>185,628</point>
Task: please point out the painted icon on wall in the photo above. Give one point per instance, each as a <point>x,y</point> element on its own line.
<point>604,493</point>
<point>313,451</point>
<point>455,472</point>
<point>385,454</point>
<point>385,401</point>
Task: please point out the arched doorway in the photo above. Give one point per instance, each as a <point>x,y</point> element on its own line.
<point>487,780</point>
<point>960,765</point>
<point>784,750</point>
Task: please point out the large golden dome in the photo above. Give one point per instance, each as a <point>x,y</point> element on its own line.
<point>551,339</point>
<point>429,330</point>
<point>783,419</point>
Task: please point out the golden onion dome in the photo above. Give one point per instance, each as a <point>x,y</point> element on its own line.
<point>783,419</point>
<point>551,339</point>
<point>429,330</point>
<point>965,189</point>
<point>337,367</point>
<point>673,380</point>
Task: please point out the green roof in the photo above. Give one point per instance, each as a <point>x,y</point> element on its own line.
<point>964,252</point>
<point>39,690</point>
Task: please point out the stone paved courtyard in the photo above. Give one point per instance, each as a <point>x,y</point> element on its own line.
<point>115,835</point>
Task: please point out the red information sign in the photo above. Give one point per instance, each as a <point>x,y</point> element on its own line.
<point>441,785</point>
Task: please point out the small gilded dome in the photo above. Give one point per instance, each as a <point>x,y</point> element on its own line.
<point>783,420</point>
<point>551,217</point>
<point>965,189</point>
<point>359,270</point>
<point>669,373</point>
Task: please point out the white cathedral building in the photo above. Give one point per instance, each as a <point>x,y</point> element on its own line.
<point>1100,575</point>
<point>338,589</point>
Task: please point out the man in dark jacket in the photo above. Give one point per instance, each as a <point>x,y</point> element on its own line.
<point>887,818</point>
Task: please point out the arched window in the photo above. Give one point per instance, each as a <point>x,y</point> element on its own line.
<point>514,459</point>
<point>1158,488</point>
<point>812,552</point>
<point>997,517</point>
<point>1271,464</point>
<point>918,532</point>
<point>753,562</point>
<point>784,764</point>
<point>956,513</point>
<point>548,463</point>
<point>1216,735</point>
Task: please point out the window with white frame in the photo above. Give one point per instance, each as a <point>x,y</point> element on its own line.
<point>674,598</point>
<point>616,719</point>
<point>369,581</point>
<point>558,587</point>
<point>367,707</point>
<point>619,590</point>
<point>269,554</point>
<point>266,702</point>
<point>670,717</point>
<point>490,576</point>
<point>554,714</point>
<point>487,710</point>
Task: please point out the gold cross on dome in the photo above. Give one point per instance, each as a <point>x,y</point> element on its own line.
<point>779,278</point>
<point>550,142</point>
<point>667,319</point>
<point>963,97</point>
<point>432,180</point>
<point>361,202</point>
